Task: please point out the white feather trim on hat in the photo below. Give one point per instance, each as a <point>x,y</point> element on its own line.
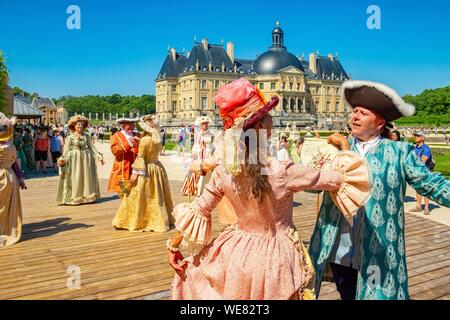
<point>127,120</point>
<point>404,108</point>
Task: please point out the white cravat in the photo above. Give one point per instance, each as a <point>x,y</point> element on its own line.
<point>128,137</point>
<point>365,146</point>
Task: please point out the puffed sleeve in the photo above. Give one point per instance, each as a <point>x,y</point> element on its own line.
<point>356,185</point>
<point>349,182</point>
<point>139,164</point>
<point>67,147</point>
<point>98,155</point>
<point>300,178</point>
<point>193,220</point>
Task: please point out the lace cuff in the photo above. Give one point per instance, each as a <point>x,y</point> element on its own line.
<point>356,185</point>
<point>194,226</point>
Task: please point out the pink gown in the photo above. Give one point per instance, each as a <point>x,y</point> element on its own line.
<point>256,258</point>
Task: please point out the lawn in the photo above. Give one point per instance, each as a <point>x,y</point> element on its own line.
<point>442,158</point>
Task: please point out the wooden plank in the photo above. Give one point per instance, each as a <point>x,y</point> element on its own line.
<point>124,265</point>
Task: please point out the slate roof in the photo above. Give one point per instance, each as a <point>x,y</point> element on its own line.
<point>330,69</point>
<point>171,68</point>
<point>308,73</point>
<point>246,65</point>
<point>40,102</point>
<point>23,99</point>
<point>216,55</point>
<point>274,60</point>
<point>269,62</point>
<point>21,108</point>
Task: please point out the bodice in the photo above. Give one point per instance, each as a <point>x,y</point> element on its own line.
<point>78,143</point>
<point>7,156</point>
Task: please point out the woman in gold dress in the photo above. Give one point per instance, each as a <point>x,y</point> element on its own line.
<point>11,179</point>
<point>78,183</point>
<point>147,206</point>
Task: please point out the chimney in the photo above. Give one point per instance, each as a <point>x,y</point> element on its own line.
<point>205,44</point>
<point>330,56</point>
<point>174,53</point>
<point>188,53</point>
<point>230,51</point>
<point>313,62</point>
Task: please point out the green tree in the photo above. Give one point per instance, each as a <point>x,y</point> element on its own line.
<point>3,81</point>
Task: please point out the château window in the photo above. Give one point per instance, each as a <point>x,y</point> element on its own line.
<point>204,102</point>
<point>203,84</point>
<point>328,106</point>
<point>261,86</point>
<point>291,85</point>
<point>216,84</point>
<point>272,86</point>
<point>190,103</point>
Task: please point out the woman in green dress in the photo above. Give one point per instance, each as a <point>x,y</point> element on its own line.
<point>28,149</point>
<point>18,143</point>
<point>78,179</point>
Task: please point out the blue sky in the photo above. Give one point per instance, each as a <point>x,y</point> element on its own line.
<point>122,44</point>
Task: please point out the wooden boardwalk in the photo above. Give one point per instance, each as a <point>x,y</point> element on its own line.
<point>124,265</point>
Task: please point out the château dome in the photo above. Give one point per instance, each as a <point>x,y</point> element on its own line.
<point>277,57</point>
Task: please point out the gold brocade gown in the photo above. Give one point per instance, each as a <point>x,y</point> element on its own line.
<point>10,206</point>
<point>148,205</point>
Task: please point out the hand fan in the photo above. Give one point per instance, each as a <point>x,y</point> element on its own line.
<point>317,153</point>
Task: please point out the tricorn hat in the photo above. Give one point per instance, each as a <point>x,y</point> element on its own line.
<point>127,120</point>
<point>378,97</point>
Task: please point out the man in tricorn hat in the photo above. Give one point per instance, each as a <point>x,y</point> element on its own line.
<point>367,258</point>
<point>124,147</point>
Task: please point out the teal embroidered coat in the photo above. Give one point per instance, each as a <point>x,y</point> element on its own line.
<point>382,273</point>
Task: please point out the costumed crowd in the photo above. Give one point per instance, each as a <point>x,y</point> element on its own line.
<point>359,237</point>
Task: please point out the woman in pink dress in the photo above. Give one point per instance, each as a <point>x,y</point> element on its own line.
<point>261,256</point>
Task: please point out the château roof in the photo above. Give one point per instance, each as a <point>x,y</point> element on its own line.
<point>171,67</point>
<point>216,55</point>
<point>214,58</point>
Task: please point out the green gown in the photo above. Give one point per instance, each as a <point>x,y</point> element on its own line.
<point>18,143</point>
<point>78,182</point>
<point>28,149</point>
